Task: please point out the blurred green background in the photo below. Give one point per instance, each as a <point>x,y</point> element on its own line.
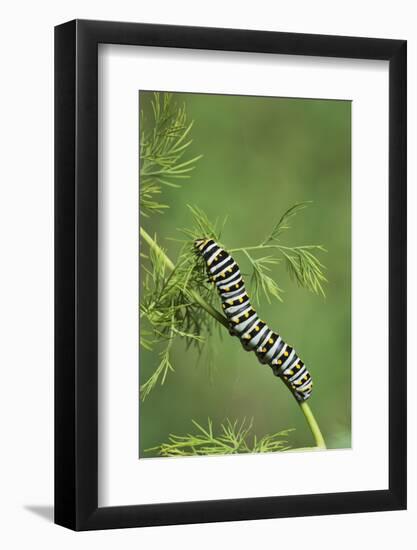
<point>261,156</point>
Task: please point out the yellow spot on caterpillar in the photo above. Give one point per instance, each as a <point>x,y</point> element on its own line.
<point>236,286</point>
<point>290,372</point>
<point>246,337</point>
<point>257,329</point>
<point>229,270</point>
<point>240,300</point>
<point>271,341</point>
<point>223,275</point>
<point>230,302</point>
<point>286,353</point>
<point>227,289</point>
<point>279,362</point>
<point>246,315</point>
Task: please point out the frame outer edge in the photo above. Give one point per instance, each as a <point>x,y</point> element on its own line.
<point>64,176</point>
<point>76,246</point>
<point>398,275</point>
<point>86,269</point>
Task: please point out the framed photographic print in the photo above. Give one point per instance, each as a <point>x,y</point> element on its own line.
<point>230,274</point>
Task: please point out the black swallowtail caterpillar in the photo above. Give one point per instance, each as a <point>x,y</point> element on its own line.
<point>254,334</point>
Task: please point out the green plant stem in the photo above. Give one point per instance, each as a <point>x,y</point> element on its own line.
<point>192,293</point>
<point>314,427</point>
<point>311,421</point>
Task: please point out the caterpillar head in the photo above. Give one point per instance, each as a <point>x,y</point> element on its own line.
<point>200,243</point>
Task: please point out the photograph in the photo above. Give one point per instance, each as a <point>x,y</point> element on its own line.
<point>245,274</point>
<point>207,247</point>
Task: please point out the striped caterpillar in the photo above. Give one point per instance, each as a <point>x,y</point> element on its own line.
<point>244,322</point>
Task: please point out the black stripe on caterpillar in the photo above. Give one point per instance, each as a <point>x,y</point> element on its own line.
<point>254,334</point>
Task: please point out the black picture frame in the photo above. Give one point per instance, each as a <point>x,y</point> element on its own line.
<point>76,272</point>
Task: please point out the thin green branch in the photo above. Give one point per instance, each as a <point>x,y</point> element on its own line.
<point>314,427</point>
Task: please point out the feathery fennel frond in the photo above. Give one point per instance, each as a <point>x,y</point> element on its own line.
<point>170,306</point>
<point>160,373</point>
<point>283,223</point>
<point>302,262</point>
<point>203,227</point>
<point>166,301</point>
<point>261,282</point>
<point>162,152</point>
<point>305,268</point>
<point>234,437</point>
<point>147,199</point>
